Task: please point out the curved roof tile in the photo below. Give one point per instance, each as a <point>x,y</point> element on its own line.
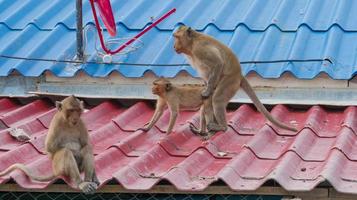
<point>244,158</point>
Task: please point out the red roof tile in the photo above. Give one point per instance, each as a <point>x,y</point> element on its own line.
<point>250,153</point>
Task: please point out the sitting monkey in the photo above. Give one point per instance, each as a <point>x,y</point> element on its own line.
<point>68,146</point>
<point>176,98</point>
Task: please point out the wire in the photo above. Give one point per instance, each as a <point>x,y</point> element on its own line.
<point>123,46</point>
<point>147,64</point>
<point>292,60</point>
<point>100,52</point>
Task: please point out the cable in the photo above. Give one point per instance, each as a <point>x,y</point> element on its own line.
<point>123,46</point>
<point>292,60</point>
<point>147,64</point>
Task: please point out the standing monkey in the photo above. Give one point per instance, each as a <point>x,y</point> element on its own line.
<point>68,146</point>
<point>221,71</point>
<point>179,97</point>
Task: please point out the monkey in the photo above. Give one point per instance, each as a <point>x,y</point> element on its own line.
<point>177,97</point>
<point>221,72</point>
<point>68,147</point>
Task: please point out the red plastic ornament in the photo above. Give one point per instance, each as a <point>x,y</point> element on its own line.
<point>106,13</point>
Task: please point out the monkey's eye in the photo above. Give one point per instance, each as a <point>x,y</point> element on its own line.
<point>70,110</point>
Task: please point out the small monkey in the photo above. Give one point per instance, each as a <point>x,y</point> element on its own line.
<point>220,69</point>
<point>186,97</point>
<point>67,144</point>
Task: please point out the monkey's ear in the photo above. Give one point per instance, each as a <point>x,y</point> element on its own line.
<point>81,105</point>
<point>58,105</point>
<point>168,87</point>
<point>189,32</point>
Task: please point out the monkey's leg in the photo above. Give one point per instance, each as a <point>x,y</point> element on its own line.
<point>220,99</point>
<point>208,112</point>
<point>209,116</point>
<point>173,116</point>
<point>87,165</point>
<point>65,164</point>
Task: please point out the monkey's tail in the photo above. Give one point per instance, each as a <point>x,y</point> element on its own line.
<point>27,172</point>
<point>250,92</point>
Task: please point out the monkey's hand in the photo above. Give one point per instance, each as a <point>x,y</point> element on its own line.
<point>197,131</point>
<point>145,129</point>
<point>206,93</point>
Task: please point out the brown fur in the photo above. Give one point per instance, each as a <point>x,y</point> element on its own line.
<point>67,144</point>
<point>177,98</point>
<point>221,71</point>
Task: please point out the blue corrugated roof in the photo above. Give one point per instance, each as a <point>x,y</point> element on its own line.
<point>288,15</point>
<point>255,30</point>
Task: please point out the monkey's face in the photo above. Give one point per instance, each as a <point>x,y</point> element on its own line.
<point>71,109</point>
<point>183,40</point>
<point>161,86</point>
<point>73,115</point>
<point>157,89</point>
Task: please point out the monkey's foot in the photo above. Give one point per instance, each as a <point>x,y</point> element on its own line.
<point>208,135</point>
<point>205,138</point>
<point>96,181</point>
<point>88,187</point>
<point>213,127</point>
<point>197,131</point>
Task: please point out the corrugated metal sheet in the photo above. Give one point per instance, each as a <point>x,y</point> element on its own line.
<point>271,44</point>
<point>288,15</point>
<point>255,30</point>
<point>249,154</point>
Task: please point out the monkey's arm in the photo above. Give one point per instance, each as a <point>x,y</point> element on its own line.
<point>84,136</point>
<point>203,119</point>
<point>211,58</point>
<point>160,105</point>
<point>52,143</point>
<point>212,82</point>
<point>202,130</point>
